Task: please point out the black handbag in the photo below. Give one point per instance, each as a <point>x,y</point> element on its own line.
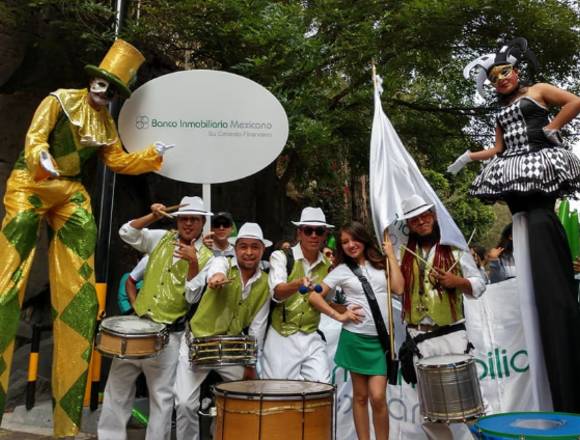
<point>392,364</point>
<point>407,351</point>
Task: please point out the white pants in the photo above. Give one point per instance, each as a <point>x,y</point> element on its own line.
<point>188,381</point>
<point>539,383</point>
<point>120,393</point>
<point>301,356</point>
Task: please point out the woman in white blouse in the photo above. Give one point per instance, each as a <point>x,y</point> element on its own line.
<point>359,349</point>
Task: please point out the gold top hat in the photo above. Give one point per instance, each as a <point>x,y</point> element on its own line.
<point>119,66</point>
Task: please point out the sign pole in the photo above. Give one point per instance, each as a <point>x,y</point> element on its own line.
<point>206,196</point>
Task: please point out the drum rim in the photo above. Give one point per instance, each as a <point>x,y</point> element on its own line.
<point>103,327</point>
<point>125,356</point>
<point>470,359</point>
<point>271,396</point>
<point>157,334</point>
<point>216,338</point>
<point>479,429</point>
<point>223,364</point>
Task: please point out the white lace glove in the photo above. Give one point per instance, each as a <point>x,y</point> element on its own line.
<point>459,163</point>
<point>47,163</point>
<point>162,148</point>
<point>553,135</point>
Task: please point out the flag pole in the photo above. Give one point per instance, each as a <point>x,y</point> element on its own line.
<point>387,269</point>
<point>389,301</point>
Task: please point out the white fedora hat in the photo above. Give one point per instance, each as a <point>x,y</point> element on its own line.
<point>312,217</point>
<point>250,230</point>
<point>414,206</point>
<point>191,206</point>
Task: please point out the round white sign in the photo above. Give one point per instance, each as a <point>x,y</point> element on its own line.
<point>225,127</point>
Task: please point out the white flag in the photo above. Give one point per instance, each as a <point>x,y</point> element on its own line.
<point>393,177</point>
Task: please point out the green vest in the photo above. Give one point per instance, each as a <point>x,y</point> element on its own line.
<point>70,156</point>
<point>162,297</point>
<point>203,256</point>
<point>224,312</point>
<point>431,304</point>
<point>296,314</point>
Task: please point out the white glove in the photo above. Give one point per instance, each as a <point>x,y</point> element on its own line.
<point>553,135</point>
<point>162,148</point>
<point>47,163</point>
<point>459,163</point>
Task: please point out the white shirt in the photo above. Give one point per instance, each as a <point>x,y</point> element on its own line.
<point>195,287</point>
<point>279,274</point>
<point>257,328</point>
<point>341,276</point>
<point>138,272</point>
<point>227,252</point>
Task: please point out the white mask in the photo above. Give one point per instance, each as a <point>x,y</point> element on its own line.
<point>99,85</point>
<point>101,92</point>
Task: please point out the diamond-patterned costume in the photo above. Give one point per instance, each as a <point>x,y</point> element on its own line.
<point>529,176</point>
<point>72,131</point>
<point>530,162</point>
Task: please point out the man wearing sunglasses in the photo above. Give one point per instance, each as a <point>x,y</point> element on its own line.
<point>222,225</point>
<point>294,348</point>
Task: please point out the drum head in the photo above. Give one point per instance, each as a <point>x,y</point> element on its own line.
<point>274,389</point>
<point>530,425</point>
<point>131,325</point>
<point>448,359</point>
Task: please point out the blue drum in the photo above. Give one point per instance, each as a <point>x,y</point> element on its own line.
<point>528,425</point>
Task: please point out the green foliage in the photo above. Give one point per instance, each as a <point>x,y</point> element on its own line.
<point>316,57</point>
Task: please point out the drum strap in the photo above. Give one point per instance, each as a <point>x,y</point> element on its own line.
<point>439,331</point>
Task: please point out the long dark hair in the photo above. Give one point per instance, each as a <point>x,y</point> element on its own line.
<point>505,239</point>
<point>359,233</point>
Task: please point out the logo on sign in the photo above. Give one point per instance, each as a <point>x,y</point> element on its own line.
<point>142,122</point>
<point>500,363</point>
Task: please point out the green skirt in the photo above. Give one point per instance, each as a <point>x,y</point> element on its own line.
<point>360,354</point>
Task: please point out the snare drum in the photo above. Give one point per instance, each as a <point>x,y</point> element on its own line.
<point>130,337</point>
<point>448,388</point>
<point>220,351</point>
<point>528,425</point>
<point>274,410</point>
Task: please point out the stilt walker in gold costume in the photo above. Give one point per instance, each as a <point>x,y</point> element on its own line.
<point>68,128</point>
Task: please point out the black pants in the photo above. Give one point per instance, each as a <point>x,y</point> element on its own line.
<point>556,297</point>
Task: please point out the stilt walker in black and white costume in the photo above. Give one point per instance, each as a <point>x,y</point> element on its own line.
<point>529,169</point>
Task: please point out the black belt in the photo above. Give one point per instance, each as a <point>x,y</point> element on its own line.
<point>177,326</point>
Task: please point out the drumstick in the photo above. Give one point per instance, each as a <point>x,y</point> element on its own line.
<point>468,243</point>
<point>173,208</point>
<point>222,283</point>
<point>419,257</point>
<point>164,214</point>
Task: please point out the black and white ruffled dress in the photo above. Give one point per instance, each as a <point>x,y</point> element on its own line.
<point>530,163</point>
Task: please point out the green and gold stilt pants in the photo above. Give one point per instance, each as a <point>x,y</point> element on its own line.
<point>65,205</point>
